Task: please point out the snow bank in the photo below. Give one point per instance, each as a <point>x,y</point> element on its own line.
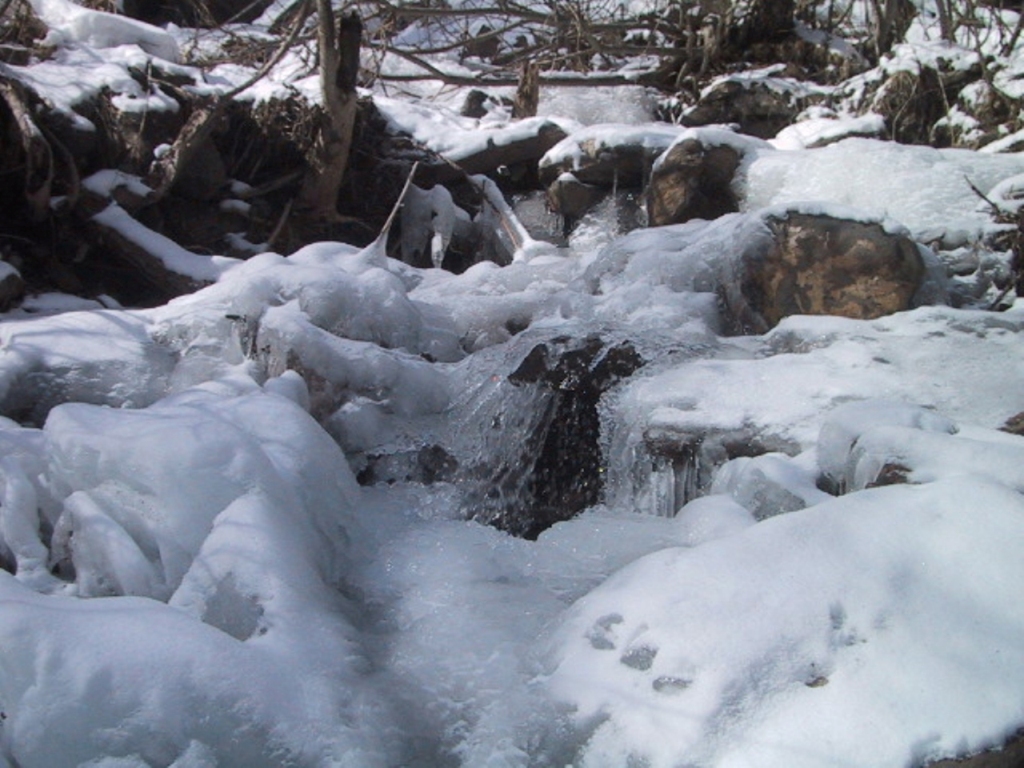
<point>230,504</point>
<point>866,630</point>
<point>71,23</point>
<point>820,131</point>
<point>103,357</point>
<point>924,189</point>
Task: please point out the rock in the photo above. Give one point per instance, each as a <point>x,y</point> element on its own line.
<point>760,105</point>
<point>557,472</point>
<point>479,103</point>
<point>849,422</point>
<point>514,150</point>
<point>821,265</point>
<point>1014,425</point>
<point>425,466</point>
<point>914,104</point>
<point>693,457</point>
<point>571,198</point>
<point>820,126</point>
<point>692,181</point>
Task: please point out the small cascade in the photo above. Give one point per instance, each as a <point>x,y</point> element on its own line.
<point>527,440</point>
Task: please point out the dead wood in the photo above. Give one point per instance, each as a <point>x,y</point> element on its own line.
<point>135,253</point>
<point>38,156</point>
<point>166,169</point>
<point>204,119</point>
<point>527,92</point>
<point>339,70</point>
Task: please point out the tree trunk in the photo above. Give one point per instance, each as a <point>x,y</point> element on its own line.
<point>528,91</point>
<point>892,19</point>
<point>339,69</point>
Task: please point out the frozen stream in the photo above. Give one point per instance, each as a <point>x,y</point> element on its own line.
<point>195,576</point>
<point>271,523</point>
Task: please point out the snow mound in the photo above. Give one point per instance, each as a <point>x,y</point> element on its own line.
<point>228,503</point>
<point>839,615</point>
<point>924,189</point>
<point>71,23</point>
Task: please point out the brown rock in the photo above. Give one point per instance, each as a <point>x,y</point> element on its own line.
<point>759,109</point>
<point>1014,425</point>
<point>821,265</point>
<point>571,198</point>
<point>692,181</point>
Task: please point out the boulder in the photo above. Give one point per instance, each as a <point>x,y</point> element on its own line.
<point>692,181</point>
<point>818,264</point>
<point>914,104</point>
<point>555,470</point>
<point>761,106</point>
<point>820,126</point>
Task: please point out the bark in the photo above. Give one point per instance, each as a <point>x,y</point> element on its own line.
<point>339,70</point>
<point>527,92</point>
<point>38,156</point>
<point>892,19</point>
<point>165,171</point>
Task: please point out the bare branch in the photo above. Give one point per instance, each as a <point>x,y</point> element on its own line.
<point>996,210</point>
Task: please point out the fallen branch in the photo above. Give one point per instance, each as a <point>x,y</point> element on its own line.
<point>996,210</point>
<point>1016,281</point>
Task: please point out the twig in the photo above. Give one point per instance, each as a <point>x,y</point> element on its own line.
<point>279,54</point>
<point>386,229</point>
<point>276,233</point>
<point>995,208</point>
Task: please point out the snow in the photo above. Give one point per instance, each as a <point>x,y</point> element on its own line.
<point>71,23</point>
<point>191,575</point>
<point>454,136</point>
<point>820,131</point>
<point>924,189</point>
<point>750,638</point>
<point>171,255</point>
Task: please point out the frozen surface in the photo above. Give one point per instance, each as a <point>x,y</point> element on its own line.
<point>190,574</point>
<point>839,615</point>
